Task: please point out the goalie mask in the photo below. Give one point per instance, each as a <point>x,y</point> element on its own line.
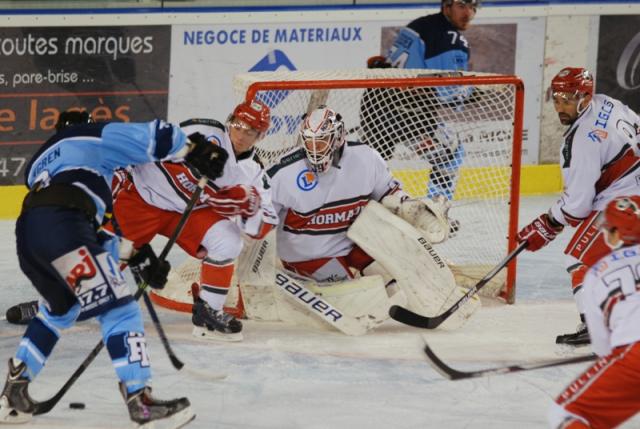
<point>623,215</point>
<point>322,134</point>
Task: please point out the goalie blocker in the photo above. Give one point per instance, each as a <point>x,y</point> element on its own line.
<point>423,281</point>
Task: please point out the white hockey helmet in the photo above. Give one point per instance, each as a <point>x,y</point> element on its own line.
<point>322,134</point>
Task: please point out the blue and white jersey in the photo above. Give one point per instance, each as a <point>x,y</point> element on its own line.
<point>86,155</point>
<point>430,42</point>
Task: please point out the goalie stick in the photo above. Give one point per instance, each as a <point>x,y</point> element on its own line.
<point>410,318</point>
<point>44,407</point>
<point>454,374</point>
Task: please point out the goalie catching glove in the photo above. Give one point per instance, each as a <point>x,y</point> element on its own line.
<point>235,200</point>
<point>428,216</point>
<point>146,265</point>
<point>540,232</point>
<point>206,157</point>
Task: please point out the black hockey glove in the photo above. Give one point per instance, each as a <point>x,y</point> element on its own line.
<point>149,268</point>
<point>206,157</point>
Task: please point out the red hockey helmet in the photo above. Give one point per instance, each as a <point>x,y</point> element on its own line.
<point>255,113</point>
<point>574,81</point>
<point>623,214</point>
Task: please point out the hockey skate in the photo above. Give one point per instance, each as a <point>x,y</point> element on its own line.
<point>16,406</point>
<point>578,338</point>
<point>149,412</point>
<point>213,324</point>
<point>21,314</point>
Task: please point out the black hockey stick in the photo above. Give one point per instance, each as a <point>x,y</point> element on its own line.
<point>454,374</point>
<point>410,318</point>
<point>47,405</point>
<point>177,363</point>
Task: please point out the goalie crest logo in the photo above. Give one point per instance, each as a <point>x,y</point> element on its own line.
<point>307,180</point>
<point>598,135</point>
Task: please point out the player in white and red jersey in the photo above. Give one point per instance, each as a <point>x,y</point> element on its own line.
<point>324,194</point>
<point>318,191</point>
<point>600,161</point>
<point>608,392</point>
<point>153,196</point>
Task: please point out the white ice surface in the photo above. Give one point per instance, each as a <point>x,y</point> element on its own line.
<point>282,376</point>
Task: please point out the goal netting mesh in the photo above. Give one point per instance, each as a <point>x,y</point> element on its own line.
<point>440,133</point>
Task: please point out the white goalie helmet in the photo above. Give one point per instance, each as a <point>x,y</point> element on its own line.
<point>322,133</point>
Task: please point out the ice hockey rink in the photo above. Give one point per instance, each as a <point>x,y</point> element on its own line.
<point>282,376</point>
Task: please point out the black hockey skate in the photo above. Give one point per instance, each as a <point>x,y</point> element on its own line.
<point>21,314</point>
<point>213,324</point>
<point>578,338</point>
<point>148,412</point>
<point>16,406</point>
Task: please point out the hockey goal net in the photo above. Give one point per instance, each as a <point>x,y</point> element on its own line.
<point>452,134</point>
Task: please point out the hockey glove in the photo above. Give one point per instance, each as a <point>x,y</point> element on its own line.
<point>235,200</point>
<point>146,265</point>
<point>540,232</point>
<point>428,216</point>
<point>206,157</point>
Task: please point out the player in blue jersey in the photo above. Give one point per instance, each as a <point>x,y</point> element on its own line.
<point>74,265</point>
<point>387,116</point>
<point>435,41</point>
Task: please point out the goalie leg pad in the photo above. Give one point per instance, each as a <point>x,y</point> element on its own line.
<point>395,294</point>
<point>353,307</point>
<point>420,272</point>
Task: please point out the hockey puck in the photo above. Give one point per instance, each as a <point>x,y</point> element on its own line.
<point>77,405</point>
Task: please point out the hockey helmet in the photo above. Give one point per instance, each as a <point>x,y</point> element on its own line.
<point>69,118</point>
<point>254,113</point>
<point>322,134</point>
<point>574,81</point>
<point>623,215</point>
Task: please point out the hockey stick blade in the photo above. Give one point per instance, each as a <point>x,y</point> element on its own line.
<point>454,374</point>
<point>46,406</point>
<point>410,318</point>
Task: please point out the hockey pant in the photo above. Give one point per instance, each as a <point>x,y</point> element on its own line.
<point>604,396</point>
<point>60,252</point>
<point>331,269</point>
<point>206,235</point>
<point>587,246</point>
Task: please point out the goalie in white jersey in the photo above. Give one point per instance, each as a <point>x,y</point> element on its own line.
<point>320,189</point>
<point>608,392</point>
<point>600,161</point>
<point>151,199</point>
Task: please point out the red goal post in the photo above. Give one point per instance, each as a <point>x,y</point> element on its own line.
<point>415,118</point>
